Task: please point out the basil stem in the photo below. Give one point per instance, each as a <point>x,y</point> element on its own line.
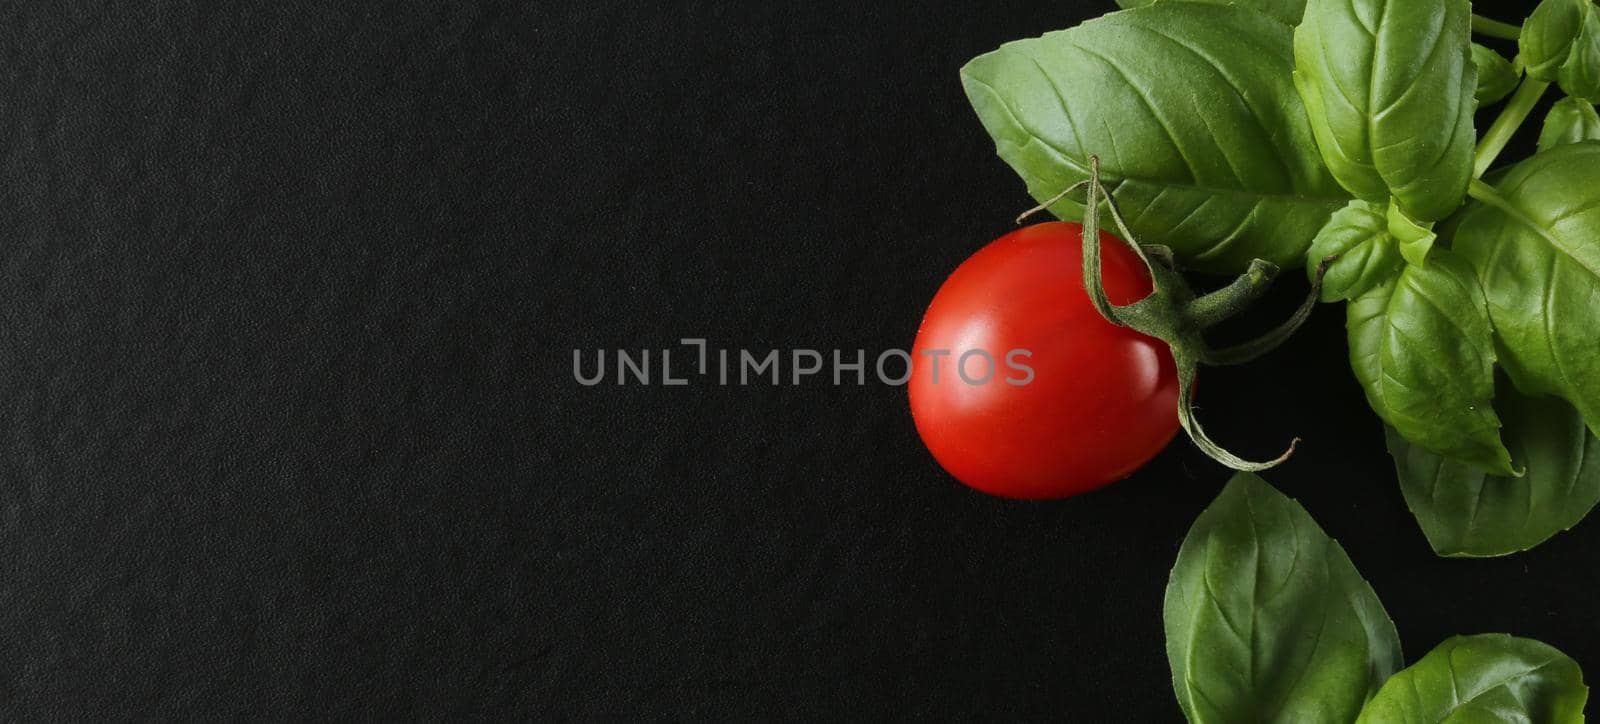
<point>1511,117</point>
<point>1494,28</point>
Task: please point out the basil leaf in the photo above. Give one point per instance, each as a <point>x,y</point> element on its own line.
<point>1560,43</point>
<point>1288,11</point>
<point>1483,678</point>
<point>1570,120</point>
<point>1465,512</point>
<point>1368,256</point>
<point>1497,77</point>
<point>1580,75</point>
<point>1191,110</point>
<point>1423,350</point>
<point>1536,247</point>
<point>1389,85</point>
<point>1415,239</point>
<point>1266,618</point>
<point>1548,34</point>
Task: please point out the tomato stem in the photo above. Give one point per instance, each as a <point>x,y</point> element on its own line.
<point>1249,351</point>
<point>1505,126</point>
<point>1051,201</point>
<point>1172,313</point>
<point>1092,268</point>
<point>1187,369</point>
<point>1225,303</point>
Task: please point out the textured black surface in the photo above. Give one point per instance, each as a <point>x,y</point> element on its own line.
<point>288,296</point>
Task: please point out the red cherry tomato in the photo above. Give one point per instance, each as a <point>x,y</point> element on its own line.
<point>1101,401</point>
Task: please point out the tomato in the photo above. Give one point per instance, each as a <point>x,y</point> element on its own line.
<point>1101,401</point>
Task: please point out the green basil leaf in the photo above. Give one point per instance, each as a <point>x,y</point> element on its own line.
<point>1560,43</point>
<point>1483,678</point>
<point>1288,11</point>
<point>1580,75</point>
<point>1497,77</point>
<point>1548,34</point>
<point>1536,248</point>
<point>1570,120</point>
<point>1368,255</point>
<point>1190,108</point>
<point>1266,618</point>
<point>1389,85</point>
<point>1415,239</point>
<point>1423,350</point>
<point>1465,512</point>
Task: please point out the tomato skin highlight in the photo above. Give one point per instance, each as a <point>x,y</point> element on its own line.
<point>1103,398</point>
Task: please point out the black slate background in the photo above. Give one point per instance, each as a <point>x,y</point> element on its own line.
<point>288,297</point>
